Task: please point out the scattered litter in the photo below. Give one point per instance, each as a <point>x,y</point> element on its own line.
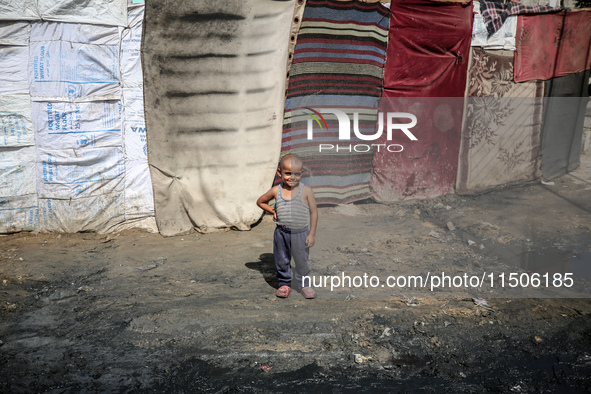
<point>434,234</point>
<point>360,359</point>
<point>411,301</point>
<point>446,323</point>
<point>416,326</point>
<point>487,224</point>
<point>462,375</point>
<point>537,339</point>
<point>397,260</point>
<point>350,297</point>
<point>364,250</point>
<point>482,303</point>
<point>481,246</point>
<point>386,333</point>
<point>471,243</point>
<point>266,368</point>
<point>548,183</point>
<point>448,207</point>
<point>450,226</point>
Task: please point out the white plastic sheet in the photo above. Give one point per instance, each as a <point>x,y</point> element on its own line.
<point>70,69</point>
<point>96,213</point>
<point>17,10</point>
<point>139,200</point>
<point>13,74</point>
<point>71,174</point>
<point>72,155</point>
<point>100,12</point>
<point>75,32</point>
<point>15,33</point>
<point>131,64</point>
<point>135,125</point>
<point>67,125</point>
<point>19,213</point>
<point>17,171</point>
<point>16,127</point>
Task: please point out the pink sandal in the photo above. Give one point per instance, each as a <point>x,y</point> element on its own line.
<point>308,292</point>
<point>283,292</point>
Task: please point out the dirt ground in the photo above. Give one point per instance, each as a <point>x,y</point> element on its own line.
<point>138,312</point>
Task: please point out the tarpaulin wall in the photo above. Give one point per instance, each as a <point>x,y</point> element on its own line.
<point>71,157</point>
<point>501,131</point>
<point>337,63</point>
<point>552,45</point>
<point>564,115</point>
<point>428,49</point>
<point>215,83</point>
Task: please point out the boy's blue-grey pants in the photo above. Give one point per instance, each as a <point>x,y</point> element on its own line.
<point>285,245</point>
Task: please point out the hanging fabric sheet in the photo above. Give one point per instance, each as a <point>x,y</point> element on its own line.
<point>429,44</point>
<point>564,115</point>
<point>337,63</point>
<point>504,38</point>
<point>496,13</point>
<point>215,86</point>
<point>552,45</point>
<point>501,131</point>
<point>425,75</point>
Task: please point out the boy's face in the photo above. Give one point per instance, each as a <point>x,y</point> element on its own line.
<point>291,173</point>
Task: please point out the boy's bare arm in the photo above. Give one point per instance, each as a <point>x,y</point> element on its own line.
<point>263,201</point>
<point>311,200</point>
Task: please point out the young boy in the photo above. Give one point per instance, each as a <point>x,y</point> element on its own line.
<point>295,207</point>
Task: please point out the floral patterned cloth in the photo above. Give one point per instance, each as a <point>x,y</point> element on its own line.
<point>501,131</point>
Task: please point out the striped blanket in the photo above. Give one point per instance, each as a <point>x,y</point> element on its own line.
<point>338,64</point>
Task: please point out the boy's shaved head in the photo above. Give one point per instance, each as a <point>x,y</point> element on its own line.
<point>293,158</point>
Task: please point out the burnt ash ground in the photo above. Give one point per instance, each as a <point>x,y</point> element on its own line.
<point>138,312</point>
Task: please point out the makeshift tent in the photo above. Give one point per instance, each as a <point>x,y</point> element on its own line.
<point>337,63</point>
<point>74,144</point>
<point>215,84</point>
<point>72,156</point>
<point>502,126</point>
